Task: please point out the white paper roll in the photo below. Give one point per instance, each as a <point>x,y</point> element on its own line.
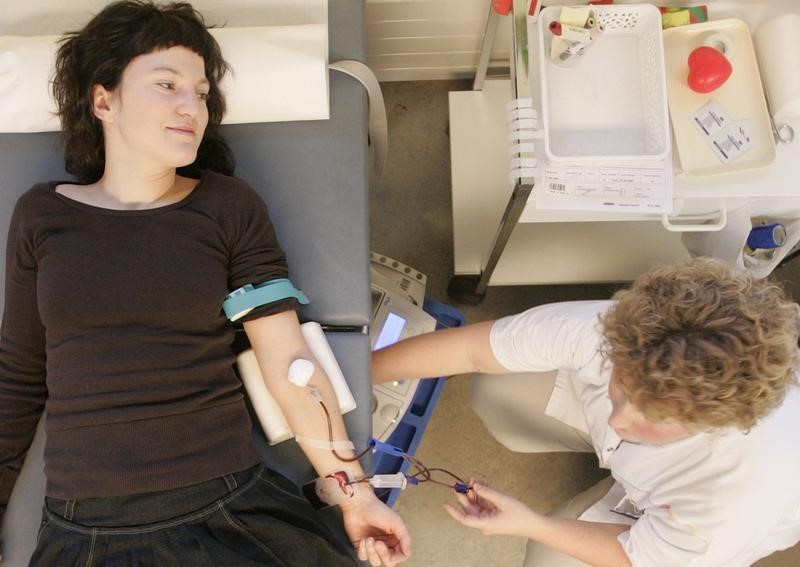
<point>315,338</point>
<point>777,43</point>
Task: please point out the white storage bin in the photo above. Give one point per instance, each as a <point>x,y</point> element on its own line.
<point>613,103</point>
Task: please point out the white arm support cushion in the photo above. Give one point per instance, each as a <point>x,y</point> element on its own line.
<point>278,74</point>
<point>269,413</point>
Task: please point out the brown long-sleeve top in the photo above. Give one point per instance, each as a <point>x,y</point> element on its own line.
<point>113,322</point>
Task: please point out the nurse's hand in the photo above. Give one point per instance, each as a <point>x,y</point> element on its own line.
<point>492,512</point>
<point>377,532</point>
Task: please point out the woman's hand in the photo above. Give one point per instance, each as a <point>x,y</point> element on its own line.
<point>492,512</point>
<point>378,533</point>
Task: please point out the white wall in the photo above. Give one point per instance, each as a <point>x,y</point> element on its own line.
<point>52,17</point>
<point>429,39</point>
<point>440,39</point>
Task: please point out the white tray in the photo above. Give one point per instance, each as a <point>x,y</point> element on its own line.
<point>613,103</point>
<point>741,96</point>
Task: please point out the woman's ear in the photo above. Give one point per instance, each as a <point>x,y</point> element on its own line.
<point>101,103</point>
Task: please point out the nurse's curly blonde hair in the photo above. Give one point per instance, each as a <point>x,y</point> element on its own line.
<point>698,343</point>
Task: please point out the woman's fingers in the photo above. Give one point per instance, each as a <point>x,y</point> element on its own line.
<point>385,554</point>
<point>376,553</point>
<point>366,552</point>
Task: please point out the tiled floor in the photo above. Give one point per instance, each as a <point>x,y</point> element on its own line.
<point>411,222</point>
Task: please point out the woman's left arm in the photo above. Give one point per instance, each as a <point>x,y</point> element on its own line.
<point>374,529</point>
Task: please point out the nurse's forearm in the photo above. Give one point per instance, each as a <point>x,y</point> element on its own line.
<point>441,353</point>
<point>594,543</point>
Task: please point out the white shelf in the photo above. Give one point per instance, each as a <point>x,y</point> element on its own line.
<point>479,170</point>
<point>575,252</point>
<point>561,246</point>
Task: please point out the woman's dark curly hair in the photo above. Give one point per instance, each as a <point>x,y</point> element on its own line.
<point>701,344</point>
<point>100,52</point>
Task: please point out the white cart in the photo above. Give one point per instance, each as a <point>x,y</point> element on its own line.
<point>501,238</point>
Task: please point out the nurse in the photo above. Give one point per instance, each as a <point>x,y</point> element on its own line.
<point>113,321</point>
<point>686,388</point>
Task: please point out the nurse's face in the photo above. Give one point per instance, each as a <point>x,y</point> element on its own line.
<point>632,425</point>
<point>158,112</point>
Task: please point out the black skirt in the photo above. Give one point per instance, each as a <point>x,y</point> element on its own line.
<point>254,517</point>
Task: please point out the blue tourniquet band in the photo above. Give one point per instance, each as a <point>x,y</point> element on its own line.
<point>249,296</point>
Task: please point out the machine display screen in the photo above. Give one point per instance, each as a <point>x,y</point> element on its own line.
<point>390,333</point>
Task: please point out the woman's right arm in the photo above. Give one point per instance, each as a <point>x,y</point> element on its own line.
<point>441,353</point>
<point>22,355</point>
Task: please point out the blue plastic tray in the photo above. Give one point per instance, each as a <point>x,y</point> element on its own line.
<point>408,433</point>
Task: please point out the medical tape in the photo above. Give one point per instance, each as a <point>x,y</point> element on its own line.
<point>517,149</point>
<point>523,129</point>
<point>523,124</point>
<point>518,135</point>
<point>522,173</point>
<point>522,113</point>
<point>518,163</point>
<point>243,300</point>
<point>322,444</point>
<point>519,103</point>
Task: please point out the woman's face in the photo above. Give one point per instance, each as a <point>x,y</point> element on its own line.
<point>158,112</point>
<point>632,425</point>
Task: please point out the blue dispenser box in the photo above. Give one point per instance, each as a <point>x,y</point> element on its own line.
<point>408,433</point>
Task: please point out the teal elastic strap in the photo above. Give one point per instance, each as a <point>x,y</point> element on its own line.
<point>249,296</point>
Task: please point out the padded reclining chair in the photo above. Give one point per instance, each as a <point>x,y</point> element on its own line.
<point>314,177</point>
